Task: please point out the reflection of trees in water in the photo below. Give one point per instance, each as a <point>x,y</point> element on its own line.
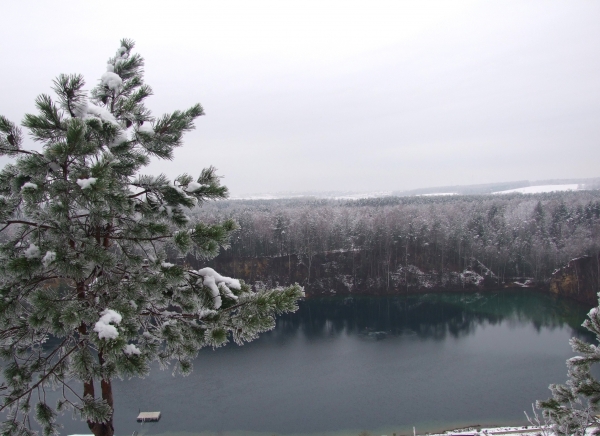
<point>432,316</point>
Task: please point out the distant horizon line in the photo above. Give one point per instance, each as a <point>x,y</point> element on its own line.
<point>480,188</point>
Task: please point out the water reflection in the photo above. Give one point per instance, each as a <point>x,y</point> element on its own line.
<point>432,316</point>
<point>383,364</point>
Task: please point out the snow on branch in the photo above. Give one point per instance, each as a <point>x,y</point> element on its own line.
<point>85,109</point>
<point>86,183</point>
<point>111,80</point>
<point>48,258</point>
<point>29,185</point>
<point>146,129</point>
<point>32,252</point>
<point>215,281</point>
<point>104,328</point>
<point>131,349</point>
<point>193,187</point>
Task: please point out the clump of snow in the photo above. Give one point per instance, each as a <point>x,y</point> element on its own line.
<point>112,80</point>
<point>131,349</point>
<point>85,109</point>
<point>187,189</point>
<point>49,258</point>
<point>29,185</point>
<point>104,328</point>
<point>193,187</point>
<point>119,139</point>
<point>167,265</point>
<point>178,189</point>
<point>32,252</point>
<point>121,56</point>
<point>218,278</point>
<point>215,281</point>
<point>146,128</point>
<point>203,313</point>
<point>226,291</point>
<point>54,166</point>
<point>86,183</point>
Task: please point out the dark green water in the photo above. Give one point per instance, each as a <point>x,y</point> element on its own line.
<point>384,364</point>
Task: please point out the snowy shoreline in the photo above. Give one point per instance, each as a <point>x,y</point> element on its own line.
<point>526,430</point>
<point>492,431</point>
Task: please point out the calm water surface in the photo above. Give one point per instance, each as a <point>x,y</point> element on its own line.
<point>384,364</point>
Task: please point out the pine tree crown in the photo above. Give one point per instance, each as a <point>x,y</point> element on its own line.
<point>86,290</point>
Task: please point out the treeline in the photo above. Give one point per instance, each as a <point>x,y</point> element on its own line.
<point>512,235</point>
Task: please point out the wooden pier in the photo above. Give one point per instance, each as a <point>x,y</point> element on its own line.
<point>148,416</point>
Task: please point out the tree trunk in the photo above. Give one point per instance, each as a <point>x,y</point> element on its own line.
<point>99,429</point>
<point>105,428</point>
<point>102,429</point>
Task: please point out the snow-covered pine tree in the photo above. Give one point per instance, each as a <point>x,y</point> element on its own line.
<point>87,293</point>
<point>574,406</point>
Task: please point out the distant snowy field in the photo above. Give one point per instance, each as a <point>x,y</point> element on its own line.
<point>437,194</point>
<point>362,195</point>
<point>541,189</point>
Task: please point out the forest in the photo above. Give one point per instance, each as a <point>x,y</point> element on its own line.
<point>503,237</point>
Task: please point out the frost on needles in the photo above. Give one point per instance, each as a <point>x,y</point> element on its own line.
<point>83,235</point>
<point>574,408</point>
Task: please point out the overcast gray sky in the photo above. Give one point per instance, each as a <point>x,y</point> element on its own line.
<point>348,95</point>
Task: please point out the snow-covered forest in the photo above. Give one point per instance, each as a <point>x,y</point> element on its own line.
<point>513,235</point>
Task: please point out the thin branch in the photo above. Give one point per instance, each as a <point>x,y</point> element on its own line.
<point>156,238</point>
<point>7,404</point>
<point>18,150</point>
<point>139,193</point>
<point>28,223</point>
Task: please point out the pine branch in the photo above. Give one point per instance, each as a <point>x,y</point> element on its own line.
<point>42,379</point>
<point>138,194</point>
<point>11,150</point>
<point>27,223</point>
<point>136,239</point>
<point>91,219</point>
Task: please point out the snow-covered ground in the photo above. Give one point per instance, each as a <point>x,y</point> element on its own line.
<point>504,431</point>
<point>541,188</point>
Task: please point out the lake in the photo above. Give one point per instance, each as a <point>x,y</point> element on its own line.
<point>383,364</point>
